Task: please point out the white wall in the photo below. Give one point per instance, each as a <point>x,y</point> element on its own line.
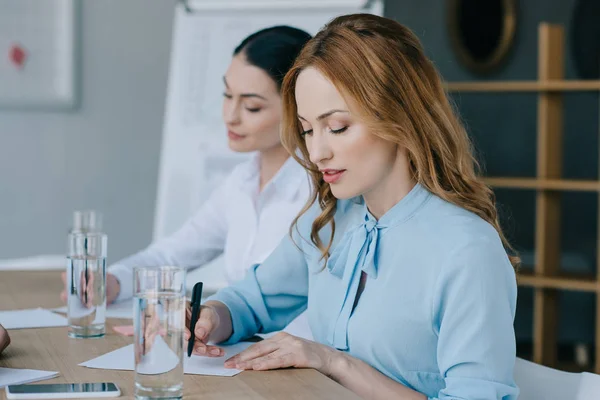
<point>105,154</point>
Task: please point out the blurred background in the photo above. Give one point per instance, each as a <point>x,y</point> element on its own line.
<point>100,145</point>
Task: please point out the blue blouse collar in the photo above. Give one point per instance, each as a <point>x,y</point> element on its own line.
<point>402,210</point>
<point>367,232</point>
<point>357,252</point>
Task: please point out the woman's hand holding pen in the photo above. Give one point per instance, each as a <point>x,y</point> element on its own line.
<point>207,324</point>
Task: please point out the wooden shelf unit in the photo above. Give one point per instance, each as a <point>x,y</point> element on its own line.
<point>544,184</point>
<point>525,86</point>
<point>579,284</point>
<point>546,278</point>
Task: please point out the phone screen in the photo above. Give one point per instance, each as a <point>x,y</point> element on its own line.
<point>101,387</point>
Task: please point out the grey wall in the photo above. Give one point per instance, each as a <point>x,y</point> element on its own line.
<point>503,127</point>
<point>103,155</point>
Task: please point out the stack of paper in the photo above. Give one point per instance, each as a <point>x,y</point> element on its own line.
<point>31,318</point>
<point>162,359</point>
<point>12,376</point>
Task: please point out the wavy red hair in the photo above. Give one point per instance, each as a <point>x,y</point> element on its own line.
<point>380,65</point>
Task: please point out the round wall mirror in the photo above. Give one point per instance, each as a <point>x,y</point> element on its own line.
<point>482,32</point>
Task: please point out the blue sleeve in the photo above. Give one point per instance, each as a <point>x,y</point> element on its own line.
<point>473,315</point>
<point>271,295</point>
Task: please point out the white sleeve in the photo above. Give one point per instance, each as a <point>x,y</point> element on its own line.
<point>198,241</point>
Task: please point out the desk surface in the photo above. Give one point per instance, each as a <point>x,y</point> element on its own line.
<point>50,349</point>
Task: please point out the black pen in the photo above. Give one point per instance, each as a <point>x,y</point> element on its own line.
<point>85,289</point>
<point>196,299</point>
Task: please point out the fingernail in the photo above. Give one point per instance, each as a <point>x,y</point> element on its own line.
<point>215,352</point>
<point>201,349</point>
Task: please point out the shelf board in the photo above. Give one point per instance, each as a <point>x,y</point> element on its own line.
<point>525,86</point>
<point>544,184</point>
<point>580,284</point>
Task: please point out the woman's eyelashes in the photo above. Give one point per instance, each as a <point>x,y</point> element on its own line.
<point>229,96</point>
<point>339,130</point>
<point>334,131</point>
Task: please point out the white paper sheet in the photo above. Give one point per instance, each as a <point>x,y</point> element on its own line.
<point>123,309</point>
<point>122,359</point>
<point>13,376</point>
<point>160,360</point>
<point>31,318</point>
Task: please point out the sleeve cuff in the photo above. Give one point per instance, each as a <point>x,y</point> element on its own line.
<point>242,318</point>
<point>125,277</point>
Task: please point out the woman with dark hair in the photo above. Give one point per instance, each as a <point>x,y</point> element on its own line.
<point>252,209</point>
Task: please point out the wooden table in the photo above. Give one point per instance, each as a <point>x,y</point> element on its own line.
<point>52,350</point>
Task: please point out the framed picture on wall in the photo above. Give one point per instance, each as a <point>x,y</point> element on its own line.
<point>38,54</point>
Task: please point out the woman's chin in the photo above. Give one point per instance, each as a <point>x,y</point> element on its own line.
<point>240,147</point>
<point>343,193</point>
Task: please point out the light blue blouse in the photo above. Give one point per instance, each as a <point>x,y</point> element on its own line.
<point>437,309</point>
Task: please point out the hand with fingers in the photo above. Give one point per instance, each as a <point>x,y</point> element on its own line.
<point>81,297</point>
<point>150,328</point>
<point>207,323</point>
<point>282,351</point>
<point>112,289</point>
<point>4,339</point>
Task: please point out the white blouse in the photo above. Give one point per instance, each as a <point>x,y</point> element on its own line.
<point>237,220</point>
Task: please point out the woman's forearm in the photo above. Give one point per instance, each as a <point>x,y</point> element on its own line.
<point>366,381</point>
<point>224,328</point>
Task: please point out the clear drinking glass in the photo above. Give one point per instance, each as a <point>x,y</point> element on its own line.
<point>87,221</point>
<point>158,322</point>
<point>86,284</point>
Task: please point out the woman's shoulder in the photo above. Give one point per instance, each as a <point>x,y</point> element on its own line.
<point>451,220</point>
<point>242,179</point>
<point>462,237</point>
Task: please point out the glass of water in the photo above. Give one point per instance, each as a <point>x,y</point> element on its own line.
<point>158,326</point>
<point>87,221</point>
<point>86,284</point>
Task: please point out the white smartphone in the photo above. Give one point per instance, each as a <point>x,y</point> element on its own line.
<point>63,391</point>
